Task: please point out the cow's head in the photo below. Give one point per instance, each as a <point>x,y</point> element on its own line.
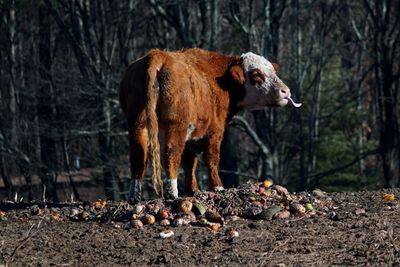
<point>262,84</point>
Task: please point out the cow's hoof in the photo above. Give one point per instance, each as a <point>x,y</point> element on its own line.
<point>171,188</point>
<point>135,191</point>
<point>218,188</point>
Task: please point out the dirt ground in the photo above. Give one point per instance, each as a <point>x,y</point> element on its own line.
<point>337,229</point>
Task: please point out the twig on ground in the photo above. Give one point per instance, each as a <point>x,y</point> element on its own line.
<point>29,234</point>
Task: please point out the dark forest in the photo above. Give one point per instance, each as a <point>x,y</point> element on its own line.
<point>63,135</point>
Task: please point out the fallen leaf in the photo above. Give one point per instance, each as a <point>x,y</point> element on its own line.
<point>56,216</point>
<point>199,208</point>
<point>269,213</point>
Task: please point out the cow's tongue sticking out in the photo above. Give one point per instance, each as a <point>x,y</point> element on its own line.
<point>292,103</point>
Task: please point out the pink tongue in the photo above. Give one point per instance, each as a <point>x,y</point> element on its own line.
<point>292,103</point>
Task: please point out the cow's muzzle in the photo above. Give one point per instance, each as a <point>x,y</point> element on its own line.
<point>286,95</point>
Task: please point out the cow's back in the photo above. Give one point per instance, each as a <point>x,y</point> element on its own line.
<point>188,90</point>
<point>189,93</point>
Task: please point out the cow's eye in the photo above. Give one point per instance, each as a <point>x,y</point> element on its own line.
<point>256,77</point>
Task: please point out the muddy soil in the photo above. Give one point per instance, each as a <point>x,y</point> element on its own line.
<point>339,229</point>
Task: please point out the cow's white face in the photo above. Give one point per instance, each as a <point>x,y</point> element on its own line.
<point>262,85</point>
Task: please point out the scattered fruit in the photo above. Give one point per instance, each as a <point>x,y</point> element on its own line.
<point>281,190</point>
<point>84,216</point>
<point>389,197</point>
<point>185,206</point>
<point>165,222</point>
<point>258,201</point>
<point>284,214</point>
<point>203,221</point>
<point>137,224</point>
<point>166,234</point>
<point>297,209</point>
<point>273,193</point>
<point>267,183</point>
<point>149,219</point>
<point>179,222</point>
<point>190,216</point>
<point>318,193</point>
<point>232,234</point>
<point>215,227</point>
<point>252,212</point>
<point>261,190</point>
<point>138,209</point>
<point>163,214</point>
<point>309,206</point>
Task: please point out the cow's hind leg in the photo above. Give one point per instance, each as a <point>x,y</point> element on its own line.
<point>189,164</point>
<point>174,145</point>
<point>138,159</point>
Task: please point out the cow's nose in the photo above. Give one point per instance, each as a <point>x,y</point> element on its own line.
<point>285,91</point>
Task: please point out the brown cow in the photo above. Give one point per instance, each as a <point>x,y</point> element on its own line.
<point>178,104</point>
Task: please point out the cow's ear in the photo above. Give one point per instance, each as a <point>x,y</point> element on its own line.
<point>237,73</point>
<point>276,67</point>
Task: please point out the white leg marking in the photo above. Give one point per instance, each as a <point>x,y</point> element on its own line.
<point>189,131</point>
<point>218,188</point>
<point>171,188</point>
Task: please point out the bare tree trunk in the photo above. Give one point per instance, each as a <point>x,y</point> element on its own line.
<point>265,120</point>
<point>314,118</point>
<point>299,95</point>
<point>5,175</point>
<point>68,168</point>
<point>214,24</point>
<point>9,132</point>
<point>105,143</point>
<point>384,42</point>
<point>46,108</point>
<point>12,60</point>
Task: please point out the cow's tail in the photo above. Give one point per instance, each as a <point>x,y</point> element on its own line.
<point>152,124</point>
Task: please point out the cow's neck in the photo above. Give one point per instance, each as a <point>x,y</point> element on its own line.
<point>236,91</point>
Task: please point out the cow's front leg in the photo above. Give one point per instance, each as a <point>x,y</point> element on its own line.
<point>174,146</point>
<point>189,164</point>
<point>138,159</point>
<point>211,156</point>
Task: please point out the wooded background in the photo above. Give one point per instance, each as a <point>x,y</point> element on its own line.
<point>62,130</point>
